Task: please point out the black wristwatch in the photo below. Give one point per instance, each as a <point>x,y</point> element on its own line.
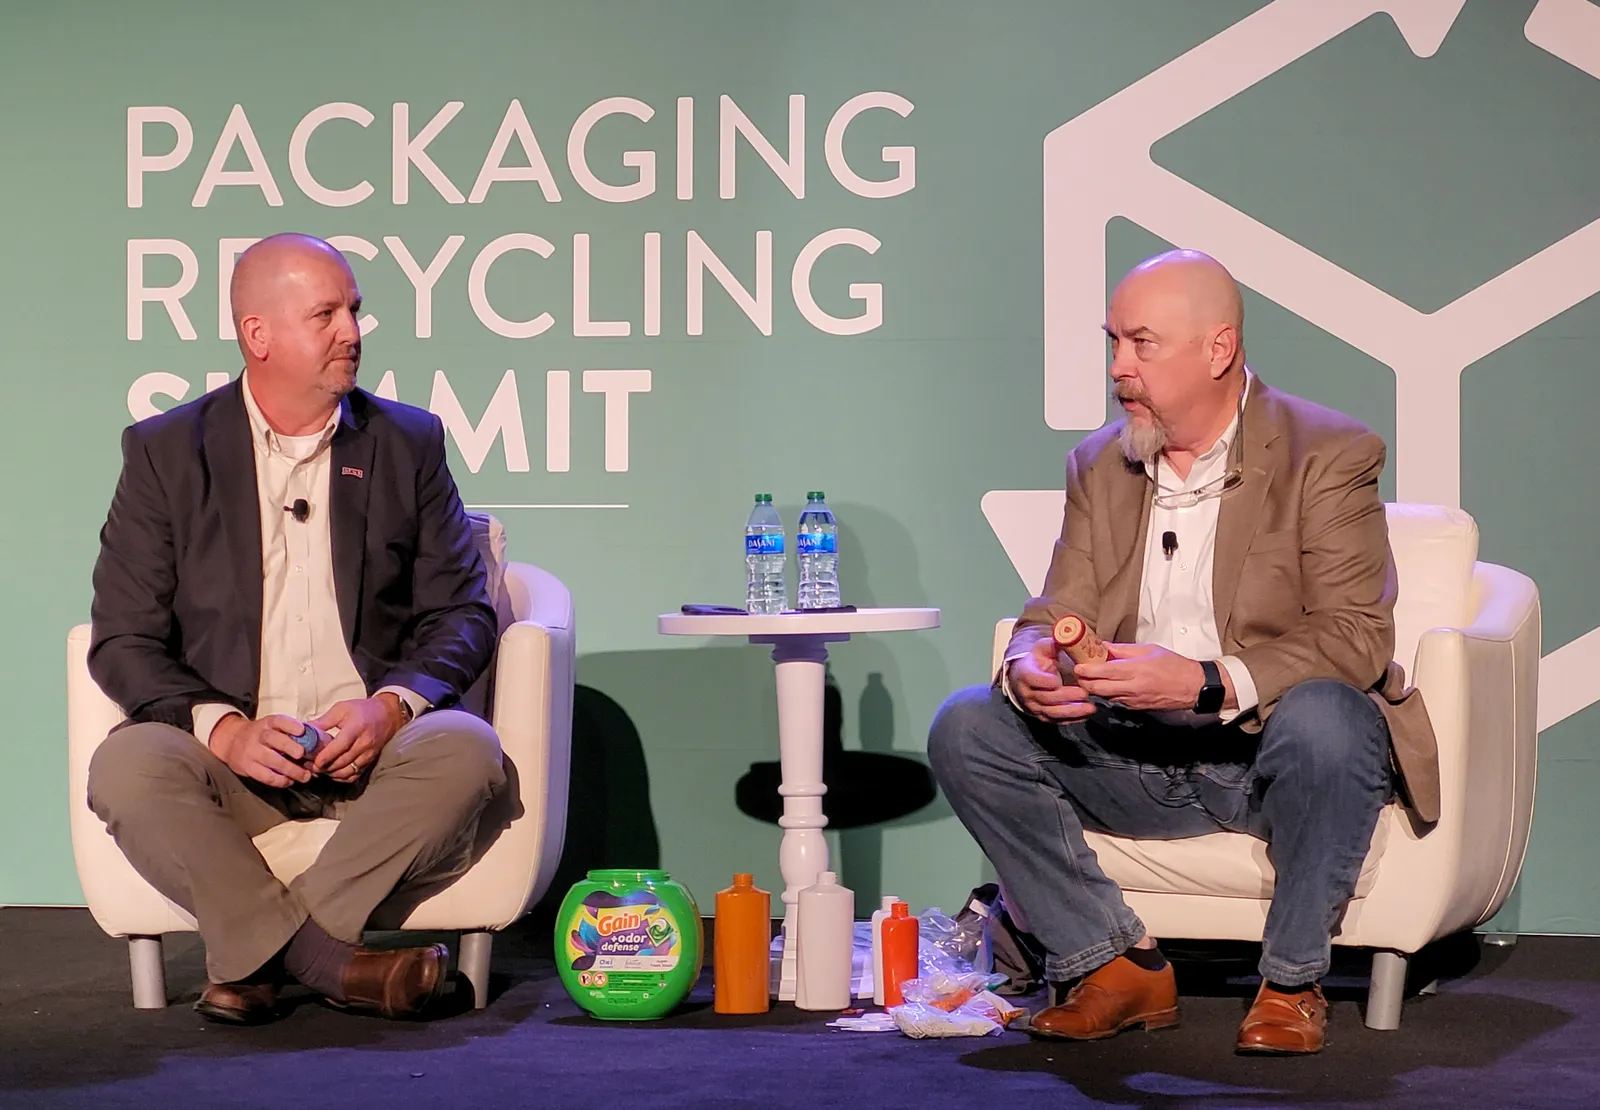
<point>1212,693</point>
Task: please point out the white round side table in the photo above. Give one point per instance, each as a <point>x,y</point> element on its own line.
<point>799,649</point>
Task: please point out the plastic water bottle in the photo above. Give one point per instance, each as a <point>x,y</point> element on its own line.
<point>817,545</point>
<point>765,591</point>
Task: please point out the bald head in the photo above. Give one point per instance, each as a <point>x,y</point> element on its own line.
<point>1194,283</point>
<point>267,270</point>
<point>1176,323</point>
<point>295,305</point>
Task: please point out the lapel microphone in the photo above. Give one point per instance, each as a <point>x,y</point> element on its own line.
<point>301,509</point>
<point>1169,540</point>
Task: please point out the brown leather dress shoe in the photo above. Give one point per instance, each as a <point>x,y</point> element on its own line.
<point>239,1003</point>
<point>401,983</point>
<point>1284,1024</point>
<point>1114,997</point>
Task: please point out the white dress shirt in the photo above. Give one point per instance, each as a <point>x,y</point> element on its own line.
<point>1176,605</point>
<point>305,666</point>
<point>1177,609</point>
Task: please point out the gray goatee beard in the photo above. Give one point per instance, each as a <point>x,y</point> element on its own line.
<point>1140,442</point>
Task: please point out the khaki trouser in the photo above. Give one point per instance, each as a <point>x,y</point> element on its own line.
<point>185,822</point>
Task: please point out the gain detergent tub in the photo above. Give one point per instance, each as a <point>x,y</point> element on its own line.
<point>629,944</point>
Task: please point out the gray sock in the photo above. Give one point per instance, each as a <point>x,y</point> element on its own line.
<point>318,960</point>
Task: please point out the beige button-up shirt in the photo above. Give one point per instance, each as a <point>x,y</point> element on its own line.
<point>305,666</point>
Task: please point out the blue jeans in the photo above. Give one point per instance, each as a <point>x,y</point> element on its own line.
<point>1311,784</point>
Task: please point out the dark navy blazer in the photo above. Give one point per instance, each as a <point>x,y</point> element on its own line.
<point>178,584</point>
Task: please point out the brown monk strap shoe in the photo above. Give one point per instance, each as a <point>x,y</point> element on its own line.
<point>401,983</point>
<point>239,1003</point>
<point>1114,997</point>
<point>1284,1024</point>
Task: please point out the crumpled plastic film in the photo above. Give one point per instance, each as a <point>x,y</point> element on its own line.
<point>980,1016</point>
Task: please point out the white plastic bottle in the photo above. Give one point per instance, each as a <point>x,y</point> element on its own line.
<point>877,948</point>
<point>816,545</point>
<point>765,560</point>
<point>826,926</point>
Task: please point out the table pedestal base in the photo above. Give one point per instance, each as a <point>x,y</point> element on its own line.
<point>801,664</point>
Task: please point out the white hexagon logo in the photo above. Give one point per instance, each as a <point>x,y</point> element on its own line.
<point>1426,350</point>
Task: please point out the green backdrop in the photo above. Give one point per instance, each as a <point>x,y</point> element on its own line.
<point>1424,176</point>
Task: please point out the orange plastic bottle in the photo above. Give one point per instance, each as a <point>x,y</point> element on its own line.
<point>899,952</point>
<point>741,942</point>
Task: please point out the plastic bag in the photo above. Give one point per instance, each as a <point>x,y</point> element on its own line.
<point>920,1021</point>
<point>1006,947</point>
<point>945,978</point>
<point>950,997</point>
<point>946,988</point>
<point>981,1015</point>
<point>964,937</point>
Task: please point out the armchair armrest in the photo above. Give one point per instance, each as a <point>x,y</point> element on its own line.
<point>532,715</point>
<point>535,669</point>
<point>1480,684</point>
<point>120,901</point>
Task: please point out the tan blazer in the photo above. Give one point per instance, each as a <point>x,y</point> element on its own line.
<point>1304,581</point>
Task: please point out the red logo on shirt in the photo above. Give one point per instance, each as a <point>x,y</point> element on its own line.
<point>352,471</point>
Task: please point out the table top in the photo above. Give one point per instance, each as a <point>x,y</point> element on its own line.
<point>797,624</point>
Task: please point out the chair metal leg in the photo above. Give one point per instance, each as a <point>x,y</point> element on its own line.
<point>473,963</point>
<point>149,974</point>
<point>1387,990</point>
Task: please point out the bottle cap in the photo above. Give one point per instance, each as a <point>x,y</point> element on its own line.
<point>740,879</point>
<point>820,496</point>
<point>899,909</point>
<point>888,901</point>
<point>827,878</point>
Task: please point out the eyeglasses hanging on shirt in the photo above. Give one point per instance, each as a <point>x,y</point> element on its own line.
<point>300,510</point>
<point>1231,480</point>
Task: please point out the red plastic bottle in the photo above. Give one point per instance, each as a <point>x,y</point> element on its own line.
<point>900,931</point>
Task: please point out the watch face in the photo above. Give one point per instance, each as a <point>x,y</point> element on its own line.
<point>1212,693</point>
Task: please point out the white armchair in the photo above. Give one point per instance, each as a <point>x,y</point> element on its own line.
<point>1468,634</point>
<point>530,687</point>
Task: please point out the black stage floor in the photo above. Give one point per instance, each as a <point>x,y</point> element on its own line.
<point>1508,1027</point>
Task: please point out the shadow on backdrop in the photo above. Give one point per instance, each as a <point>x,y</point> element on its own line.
<point>868,787</point>
<point>609,819</point>
<point>865,787</point>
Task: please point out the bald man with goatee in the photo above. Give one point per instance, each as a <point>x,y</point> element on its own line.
<point>287,604</point>
<point>1228,544</point>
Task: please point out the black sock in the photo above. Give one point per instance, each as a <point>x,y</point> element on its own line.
<point>318,960</point>
<point>1150,959</point>
<point>1283,988</point>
